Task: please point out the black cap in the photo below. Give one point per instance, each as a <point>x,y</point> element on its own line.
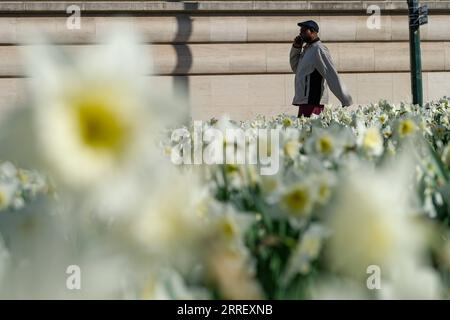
<point>310,24</point>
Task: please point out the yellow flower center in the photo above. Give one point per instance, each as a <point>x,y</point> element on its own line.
<point>287,122</point>
<point>407,127</point>
<point>372,139</point>
<point>231,168</point>
<point>228,229</point>
<point>291,148</point>
<point>324,145</point>
<point>297,200</point>
<point>100,127</point>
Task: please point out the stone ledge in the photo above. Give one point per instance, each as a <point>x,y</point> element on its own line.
<point>227,59</point>
<point>244,28</point>
<point>210,6</point>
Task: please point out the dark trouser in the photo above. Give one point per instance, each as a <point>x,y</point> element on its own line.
<point>307,110</point>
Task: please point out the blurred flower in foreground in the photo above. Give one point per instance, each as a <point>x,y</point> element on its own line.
<point>307,250</point>
<point>19,187</point>
<point>370,140</point>
<point>298,200</point>
<point>406,127</point>
<point>231,273</point>
<point>170,285</point>
<point>411,281</point>
<point>93,117</point>
<point>331,288</point>
<point>372,220</point>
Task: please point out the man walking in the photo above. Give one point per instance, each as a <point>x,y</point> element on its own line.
<point>314,70</point>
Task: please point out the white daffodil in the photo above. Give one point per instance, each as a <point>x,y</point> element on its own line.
<point>232,273</point>
<point>446,156</point>
<point>95,115</point>
<point>168,284</point>
<point>307,250</point>
<point>338,288</point>
<point>297,200</point>
<point>270,186</point>
<point>370,140</point>
<point>383,118</point>
<point>329,142</point>
<point>228,227</point>
<point>325,144</point>
<point>406,127</point>
<point>411,281</point>
<point>172,220</point>
<point>290,142</point>
<point>324,184</point>
<point>7,193</point>
<point>8,171</point>
<point>372,220</point>
<point>4,259</point>
<point>291,148</point>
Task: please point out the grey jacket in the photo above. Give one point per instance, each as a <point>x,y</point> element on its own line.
<point>314,70</point>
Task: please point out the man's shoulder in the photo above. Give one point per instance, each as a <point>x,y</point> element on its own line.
<point>321,47</point>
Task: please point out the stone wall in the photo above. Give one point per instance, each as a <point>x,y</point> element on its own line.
<point>233,55</point>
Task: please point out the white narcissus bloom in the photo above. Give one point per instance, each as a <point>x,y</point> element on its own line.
<point>409,280</point>
<point>325,144</point>
<point>406,127</point>
<point>233,142</point>
<point>231,272</point>
<point>227,227</point>
<point>170,285</point>
<point>172,219</point>
<point>307,250</point>
<point>291,142</point>
<point>372,220</point>
<point>297,200</point>
<point>8,170</point>
<point>7,193</point>
<point>180,221</point>
<point>291,148</point>
<point>91,132</point>
<point>324,183</point>
<point>329,142</point>
<point>338,288</point>
<point>270,186</point>
<point>383,118</point>
<point>4,259</point>
<point>95,115</point>
<point>370,140</point>
<point>445,157</point>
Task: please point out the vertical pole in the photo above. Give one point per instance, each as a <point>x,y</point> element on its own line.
<point>415,56</point>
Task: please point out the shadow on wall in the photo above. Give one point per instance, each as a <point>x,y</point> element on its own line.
<point>184,54</point>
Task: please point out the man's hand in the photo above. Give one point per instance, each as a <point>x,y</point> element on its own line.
<point>298,42</point>
<point>348,103</point>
